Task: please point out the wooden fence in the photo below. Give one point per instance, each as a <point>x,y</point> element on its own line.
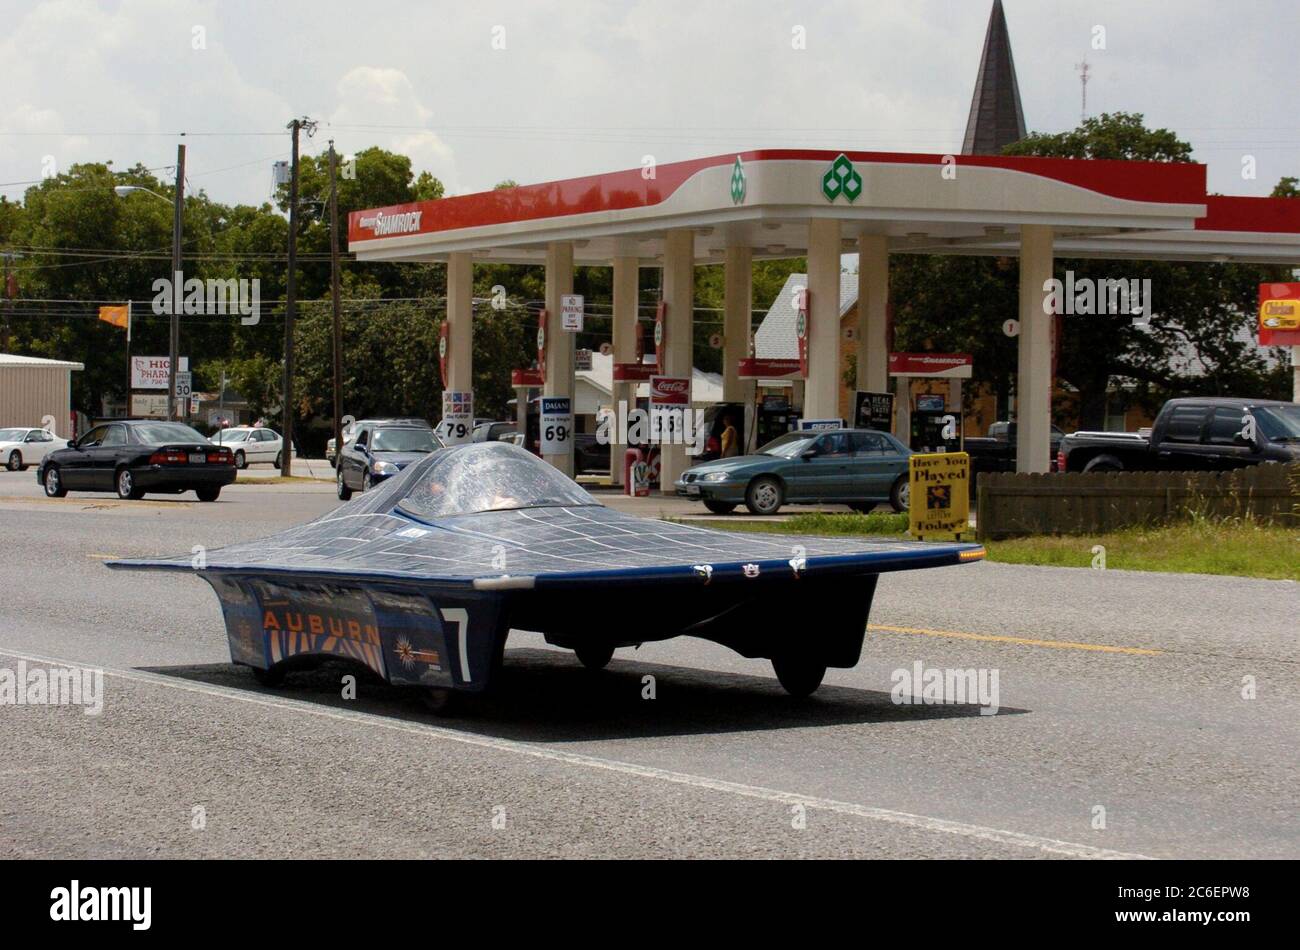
<point>1012,504</point>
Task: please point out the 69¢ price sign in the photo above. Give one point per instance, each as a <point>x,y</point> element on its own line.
<point>557,425</point>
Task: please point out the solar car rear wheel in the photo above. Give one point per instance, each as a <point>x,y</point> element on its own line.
<point>764,496</point>
<point>595,656</point>
<point>720,507</point>
<point>208,494</point>
<point>798,673</point>
<point>438,700</point>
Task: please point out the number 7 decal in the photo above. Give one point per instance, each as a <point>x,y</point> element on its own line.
<point>460,617</point>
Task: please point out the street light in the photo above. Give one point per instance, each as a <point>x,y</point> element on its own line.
<point>178,206</point>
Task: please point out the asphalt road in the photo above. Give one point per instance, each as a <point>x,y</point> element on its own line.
<point>1121,696</point>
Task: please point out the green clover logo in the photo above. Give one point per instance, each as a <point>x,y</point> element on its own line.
<point>842,179</point>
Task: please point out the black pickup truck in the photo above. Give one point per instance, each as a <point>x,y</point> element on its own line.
<point>1193,434</point>
<point>996,452</point>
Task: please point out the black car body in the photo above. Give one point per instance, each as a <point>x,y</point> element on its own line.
<point>136,456</point>
<point>1192,434</point>
<point>378,451</point>
<point>494,431</point>
<point>996,452</point>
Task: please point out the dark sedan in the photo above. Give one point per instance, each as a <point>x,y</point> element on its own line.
<point>136,456</point>
<point>379,451</point>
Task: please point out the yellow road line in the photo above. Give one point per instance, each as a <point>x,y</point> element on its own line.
<point>1022,641</point>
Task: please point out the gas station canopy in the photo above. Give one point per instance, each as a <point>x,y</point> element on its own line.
<point>936,204</point>
<point>785,203</point>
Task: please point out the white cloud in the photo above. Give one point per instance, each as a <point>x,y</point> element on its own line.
<point>590,85</point>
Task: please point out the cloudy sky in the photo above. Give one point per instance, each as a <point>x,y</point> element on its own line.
<point>584,86</point>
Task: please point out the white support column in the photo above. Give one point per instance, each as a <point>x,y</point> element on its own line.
<point>559,345</point>
<point>903,409</point>
<point>1034,380</point>
<point>676,360</point>
<point>460,320</point>
<point>822,392</point>
<point>873,319</point>
<point>737,305</point>
<point>1295,370</point>
<point>626,300</point>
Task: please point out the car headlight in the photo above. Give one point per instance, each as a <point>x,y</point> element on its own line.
<point>384,468</point>
<point>714,477</point>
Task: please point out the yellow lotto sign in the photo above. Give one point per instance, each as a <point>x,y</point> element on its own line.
<point>939,496</point>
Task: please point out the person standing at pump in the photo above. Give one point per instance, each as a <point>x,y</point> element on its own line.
<point>730,438</point>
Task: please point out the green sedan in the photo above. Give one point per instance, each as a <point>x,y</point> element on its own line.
<point>860,468</point>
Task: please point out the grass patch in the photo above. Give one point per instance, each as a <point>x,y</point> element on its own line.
<point>1199,546</point>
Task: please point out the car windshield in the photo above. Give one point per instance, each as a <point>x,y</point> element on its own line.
<point>488,476</point>
<point>789,445</point>
<point>232,435</point>
<point>12,435</point>
<point>403,440</point>
<point>1280,423</point>
<point>157,433</point>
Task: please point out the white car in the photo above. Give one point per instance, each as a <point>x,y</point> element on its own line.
<point>251,444</point>
<point>22,447</point>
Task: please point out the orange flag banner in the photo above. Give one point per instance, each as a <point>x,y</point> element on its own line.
<point>114,315</point>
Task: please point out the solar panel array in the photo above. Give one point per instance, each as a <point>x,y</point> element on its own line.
<point>373,535</point>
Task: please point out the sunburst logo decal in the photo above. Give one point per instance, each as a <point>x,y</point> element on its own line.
<point>405,652</point>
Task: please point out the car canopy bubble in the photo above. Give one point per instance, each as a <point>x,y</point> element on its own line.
<point>485,476</point>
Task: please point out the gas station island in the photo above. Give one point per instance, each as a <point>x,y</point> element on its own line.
<point>787,203</point>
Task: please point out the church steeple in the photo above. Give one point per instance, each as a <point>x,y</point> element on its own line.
<point>996,118</point>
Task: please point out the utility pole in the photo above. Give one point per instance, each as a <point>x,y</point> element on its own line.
<point>335,302</point>
<point>178,283</point>
<point>290,298</point>
<point>1083,70</point>
<point>10,292</point>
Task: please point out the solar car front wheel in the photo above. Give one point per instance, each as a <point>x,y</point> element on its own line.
<point>798,673</point>
<point>272,677</point>
<point>720,507</point>
<point>595,656</point>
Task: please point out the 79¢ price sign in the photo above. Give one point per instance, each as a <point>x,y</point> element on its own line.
<point>556,425</point>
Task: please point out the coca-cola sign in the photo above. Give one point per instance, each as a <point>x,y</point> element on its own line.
<point>670,391</point>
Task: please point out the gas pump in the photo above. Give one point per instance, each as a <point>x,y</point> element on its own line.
<point>774,417</point>
<point>934,428</point>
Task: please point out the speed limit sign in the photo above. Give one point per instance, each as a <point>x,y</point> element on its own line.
<point>557,425</point>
